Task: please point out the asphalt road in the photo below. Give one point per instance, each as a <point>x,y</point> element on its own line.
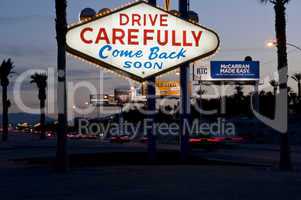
<point>150,182</point>
<point>19,181</point>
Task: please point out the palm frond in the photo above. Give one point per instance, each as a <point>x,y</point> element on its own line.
<point>296,77</point>
<point>40,79</point>
<point>6,69</point>
<point>274,83</point>
<point>275,1</point>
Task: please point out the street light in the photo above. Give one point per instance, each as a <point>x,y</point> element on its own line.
<point>272,44</point>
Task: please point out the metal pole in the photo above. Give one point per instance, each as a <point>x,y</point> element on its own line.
<point>152,2</point>
<point>201,96</point>
<point>223,98</point>
<point>256,105</point>
<point>256,90</point>
<point>185,96</point>
<point>61,27</point>
<point>151,105</point>
<point>100,91</point>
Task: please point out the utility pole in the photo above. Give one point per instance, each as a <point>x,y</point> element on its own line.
<point>61,29</point>
<point>256,91</point>
<point>151,105</point>
<point>223,98</point>
<point>185,96</point>
<point>256,88</point>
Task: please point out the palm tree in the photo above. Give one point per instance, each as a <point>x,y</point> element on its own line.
<point>275,85</point>
<point>41,81</point>
<point>61,30</point>
<point>200,94</point>
<point>280,29</point>
<point>239,91</point>
<point>297,78</point>
<point>5,71</point>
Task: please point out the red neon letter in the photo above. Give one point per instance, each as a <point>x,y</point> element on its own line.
<point>174,41</point>
<point>163,20</point>
<point>82,35</point>
<point>146,37</point>
<point>132,36</point>
<point>102,35</point>
<point>123,16</point>
<point>197,38</point>
<point>136,19</point>
<point>119,37</point>
<point>185,38</point>
<point>153,20</point>
<point>161,41</point>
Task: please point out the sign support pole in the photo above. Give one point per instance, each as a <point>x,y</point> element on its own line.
<point>185,96</point>
<point>256,90</point>
<point>223,98</point>
<point>167,4</point>
<point>256,102</point>
<point>151,105</point>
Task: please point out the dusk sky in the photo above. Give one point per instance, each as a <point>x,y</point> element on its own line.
<point>28,36</point>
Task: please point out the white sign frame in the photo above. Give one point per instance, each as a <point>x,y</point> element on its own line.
<point>73,49</point>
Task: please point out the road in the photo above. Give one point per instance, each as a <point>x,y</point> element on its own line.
<point>22,145</point>
<point>19,181</point>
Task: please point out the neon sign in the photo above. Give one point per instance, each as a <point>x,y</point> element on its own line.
<point>140,41</point>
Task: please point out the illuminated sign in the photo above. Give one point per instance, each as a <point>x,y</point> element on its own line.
<point>228,71</point>
<point>140,41</point>
<point>167,88</point>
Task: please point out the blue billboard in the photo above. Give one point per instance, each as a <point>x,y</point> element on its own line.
<point>235,70</point>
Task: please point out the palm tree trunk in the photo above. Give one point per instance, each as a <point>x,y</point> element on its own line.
<point>61,29</point>
<point>151,104</point>
<point>42,119</point>
<point>5,114</point>
<point>275,92</point>
<point>185,116</point>
<point>299,90</point>
<point>285,160</point>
